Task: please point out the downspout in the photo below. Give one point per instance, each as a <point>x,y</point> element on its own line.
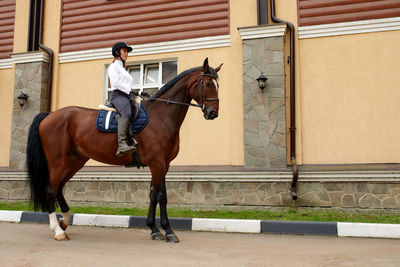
<point>50,53</point>
<point>292,102</point>
<point>262,12</point>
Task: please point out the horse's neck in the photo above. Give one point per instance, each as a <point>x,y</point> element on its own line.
<point>173,115</point>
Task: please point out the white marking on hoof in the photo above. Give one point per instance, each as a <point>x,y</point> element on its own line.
<point>54,225</point>
<point>62,237</point>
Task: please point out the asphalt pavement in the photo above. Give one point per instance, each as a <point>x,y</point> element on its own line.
<point>32,244</point>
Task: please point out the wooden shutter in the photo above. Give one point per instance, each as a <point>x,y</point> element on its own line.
<point>314,12</point>
<point>91,24</point>
<point>7,15</point>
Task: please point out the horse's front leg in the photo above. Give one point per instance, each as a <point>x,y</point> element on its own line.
<point>151,216</point>
<point>169,234</point>
<point>158,194</point>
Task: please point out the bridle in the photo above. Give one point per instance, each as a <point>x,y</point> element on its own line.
<point>202,93</point>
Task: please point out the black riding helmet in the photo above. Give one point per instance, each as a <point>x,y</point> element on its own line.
<point>117,46</point>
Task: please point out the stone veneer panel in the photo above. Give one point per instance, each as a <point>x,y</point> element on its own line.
<point>264,113</point>
<point>262,194</point>
<point>30,78</point>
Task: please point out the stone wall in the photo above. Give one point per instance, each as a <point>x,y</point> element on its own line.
<point>264,112</point>
<point>31,79</point>
<point>211,194</point>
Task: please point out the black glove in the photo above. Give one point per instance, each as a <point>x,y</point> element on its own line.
<point>145,94</point>
<point>134,92</point>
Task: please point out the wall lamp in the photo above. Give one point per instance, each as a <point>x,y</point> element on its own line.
<point>262,82</point>
<point>22,98</point>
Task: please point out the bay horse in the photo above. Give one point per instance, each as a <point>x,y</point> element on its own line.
<point>61,142</point>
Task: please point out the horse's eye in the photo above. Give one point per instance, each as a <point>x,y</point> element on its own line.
<point>208,84</point>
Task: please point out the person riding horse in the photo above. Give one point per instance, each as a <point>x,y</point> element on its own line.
<point>74,128</point>
<point>121,83</point>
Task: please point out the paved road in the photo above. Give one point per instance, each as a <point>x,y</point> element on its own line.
<point>33,245</point>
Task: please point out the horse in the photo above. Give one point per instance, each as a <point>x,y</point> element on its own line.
<point>61,142</point>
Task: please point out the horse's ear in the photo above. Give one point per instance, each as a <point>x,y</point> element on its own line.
<point>219,67</point>
<point>206,67</point>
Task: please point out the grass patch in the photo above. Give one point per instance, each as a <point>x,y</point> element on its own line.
<point>280,215</point>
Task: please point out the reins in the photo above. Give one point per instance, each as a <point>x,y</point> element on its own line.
<point>169,101</point>
<point>202,105</point>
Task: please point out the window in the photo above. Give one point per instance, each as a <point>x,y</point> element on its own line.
<point>147,77</point>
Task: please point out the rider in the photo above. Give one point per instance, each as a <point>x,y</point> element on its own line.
<point>121,83</point>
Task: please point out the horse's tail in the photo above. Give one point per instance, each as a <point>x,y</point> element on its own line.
<point>37,166</point>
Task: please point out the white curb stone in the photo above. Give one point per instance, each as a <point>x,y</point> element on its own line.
<point>10,216</point>
<point>101,220</point>
<point>222,225</point>
<point>227,225</point>
<point>369,230</point>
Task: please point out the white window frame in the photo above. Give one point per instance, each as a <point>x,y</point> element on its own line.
<point>142,84</point>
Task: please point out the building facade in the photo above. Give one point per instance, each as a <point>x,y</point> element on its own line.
<point>346,89</point>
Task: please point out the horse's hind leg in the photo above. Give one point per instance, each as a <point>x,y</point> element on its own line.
<point>56,175</point>
<point>65,211</point>
<point>76,163</point>
<point>60,172</point>
<point>59,233</point>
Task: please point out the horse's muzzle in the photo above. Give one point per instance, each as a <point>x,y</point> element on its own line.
<point>210,114</point>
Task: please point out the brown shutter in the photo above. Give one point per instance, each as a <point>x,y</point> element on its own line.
<point>92,24</point>
<point>7,14</point>
<point>314,12</point>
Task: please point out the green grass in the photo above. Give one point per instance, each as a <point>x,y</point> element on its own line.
<point>291,214</point>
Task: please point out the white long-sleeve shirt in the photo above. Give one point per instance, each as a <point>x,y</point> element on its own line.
<point>119,78</point>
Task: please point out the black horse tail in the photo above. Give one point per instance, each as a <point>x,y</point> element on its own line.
<point>38,171</point>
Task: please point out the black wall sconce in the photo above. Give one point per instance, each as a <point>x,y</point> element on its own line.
<point>22,98</point>
<point>262,82</point>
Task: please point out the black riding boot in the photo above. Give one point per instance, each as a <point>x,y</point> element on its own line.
<point>123,147</point>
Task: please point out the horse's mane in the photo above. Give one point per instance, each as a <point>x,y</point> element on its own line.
<point>172,82</point>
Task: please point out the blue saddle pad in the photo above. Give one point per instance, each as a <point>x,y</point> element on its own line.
<point>106,121</point>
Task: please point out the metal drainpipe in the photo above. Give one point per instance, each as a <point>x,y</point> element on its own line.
<point>262,12</point>
<point>292,102</point>
<point>50,53</point>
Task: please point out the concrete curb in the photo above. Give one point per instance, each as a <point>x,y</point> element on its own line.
<point>219,225</point>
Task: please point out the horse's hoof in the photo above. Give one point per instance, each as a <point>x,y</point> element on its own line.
<point>172,238</point>
<point>62,224</point>
<point>62,237</point>
<point>157,236</point>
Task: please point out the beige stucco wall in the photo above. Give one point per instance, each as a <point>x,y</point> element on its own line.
<point>21,26</point>
<point>6,102</point>
<point>347,96</point>
<point>346,92</point>
<point>7,80</point>
<point>350,98</point>
<point>50,39</point>
<point>218,142</point>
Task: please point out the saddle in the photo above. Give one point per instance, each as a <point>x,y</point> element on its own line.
<point>106,121</point>
<point>135,107</point>
<point>108,115</point>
